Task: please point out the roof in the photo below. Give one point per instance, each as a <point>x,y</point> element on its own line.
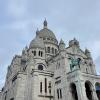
<point>46,33</point>
<point>37,43</point>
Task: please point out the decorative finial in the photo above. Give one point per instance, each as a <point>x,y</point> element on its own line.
<point>45,23</point>
<point>74,38</point>
<point>37,31</point>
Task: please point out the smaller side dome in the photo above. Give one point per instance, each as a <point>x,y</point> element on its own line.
<point>37,43</point>
<point>74,42</point>
<point>88,54</point>
<point>87,51</point>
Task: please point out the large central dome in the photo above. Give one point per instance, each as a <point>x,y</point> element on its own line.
<point>49,41</point>
<point>47,34</point>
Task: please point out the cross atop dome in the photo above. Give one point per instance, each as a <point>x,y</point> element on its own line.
<point>45,23</point>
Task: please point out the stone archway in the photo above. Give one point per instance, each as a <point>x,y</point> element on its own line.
<point>74,91</point>
<point>88,87</point>
<point>97,86</point>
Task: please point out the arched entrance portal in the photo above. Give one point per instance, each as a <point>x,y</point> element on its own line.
<point>74,91</point>
<point>97,86</point>
<point>88,87</point>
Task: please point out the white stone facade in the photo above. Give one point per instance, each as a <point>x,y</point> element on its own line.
<point>47,70</point>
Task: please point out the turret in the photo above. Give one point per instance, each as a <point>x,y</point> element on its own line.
<point>90,62</point>
<point>61,45</point>
<point>24,58</point>
<point>87,53</point>
<point>74,42</point>
<point>37,48</point>
<point>24,51</point>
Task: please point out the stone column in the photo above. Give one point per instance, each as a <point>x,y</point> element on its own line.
<point>94,94</point>
<point>84,91</point>
<point>81,91</point>
<point>70,94</point>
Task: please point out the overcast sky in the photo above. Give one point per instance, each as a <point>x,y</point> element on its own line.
<point>19,20</point>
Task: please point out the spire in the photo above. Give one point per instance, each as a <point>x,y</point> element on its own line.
<point>45,23</point>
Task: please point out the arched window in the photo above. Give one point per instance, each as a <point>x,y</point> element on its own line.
<point>40,87</point>
<point>74,91</point>
<point>34,52</point>
<point>48,49</point>
<point>45,85</point>
<point>88,87</point>
<point>55,51</point>
<point>58,93</point>
<point>39,53</point>
<point>48,38</point>
<point>52,50</point>
<point>86,70</point>
<point>45,49</point>
<point>40,67</point>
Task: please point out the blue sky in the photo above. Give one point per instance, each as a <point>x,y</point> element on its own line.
<point>19,20</point>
